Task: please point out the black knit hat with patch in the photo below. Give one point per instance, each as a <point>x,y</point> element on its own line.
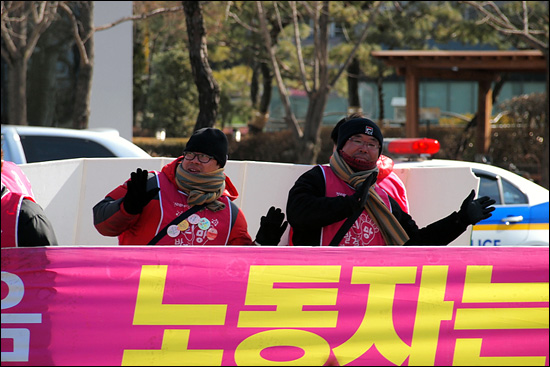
<point>359,126</point>
<point>209,141</point>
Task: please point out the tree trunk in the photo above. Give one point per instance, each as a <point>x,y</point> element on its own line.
<point>354,71</point>
<point>310,144</point>
<point>259,121</point>
<point>289,115</point>
<point>81,111</point>
<point>255,84</point>
<point>209,91</point>
<point>380,86</point>
<point>267,81</point>
<point>41,83</point>
<point>22,25</point>
<point>472,123</point>
<point>17,86</point>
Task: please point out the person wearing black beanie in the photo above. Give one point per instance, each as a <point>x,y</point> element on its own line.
<point>387,179</point>
<point>340,204</point>
<point>188,203</point>
<point>209,141</point>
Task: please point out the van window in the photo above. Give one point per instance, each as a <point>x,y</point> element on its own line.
<point>51,148</point>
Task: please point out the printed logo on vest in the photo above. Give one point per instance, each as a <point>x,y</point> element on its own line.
<point>364,232</point>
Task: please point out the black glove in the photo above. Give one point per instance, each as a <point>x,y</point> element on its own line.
<point>137,196</point>
<point>271,228</point>
<point>361,194</point>
<point>473,211</point>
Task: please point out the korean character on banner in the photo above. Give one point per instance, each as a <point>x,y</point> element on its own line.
<point>479,289</point>
<point>289,302</point>
<point>377,327</point>
<point>288,311</point>
<point>21,336</point>
<point>151,311</point>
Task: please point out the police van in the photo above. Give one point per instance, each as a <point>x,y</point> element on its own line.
<point>521,210</point>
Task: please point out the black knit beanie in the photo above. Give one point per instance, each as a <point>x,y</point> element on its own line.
<point>209,141</point>
<point>359,126</point>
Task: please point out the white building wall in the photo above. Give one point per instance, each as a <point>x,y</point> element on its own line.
<point>111,99</point>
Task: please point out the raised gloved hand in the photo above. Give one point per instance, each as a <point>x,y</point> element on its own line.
<point>360,196</point>
<point>137,196</point>
<point>272,227</point>
<point>472,211</point>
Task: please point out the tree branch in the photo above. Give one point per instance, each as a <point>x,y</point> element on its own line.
<point>139,17</point>
<point>299,46</point>
<point>374,12</point>
<point>291,119</point>
<point>503,25</point>
<point>76,33</point>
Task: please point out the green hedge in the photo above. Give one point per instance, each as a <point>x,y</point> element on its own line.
<point>511,148</point>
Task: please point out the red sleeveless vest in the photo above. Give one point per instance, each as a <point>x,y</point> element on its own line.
<point>200,229</point>
<point>364,232</point>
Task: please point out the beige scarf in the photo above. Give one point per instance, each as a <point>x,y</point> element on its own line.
<point>391,230</point>
<point>202,187</point>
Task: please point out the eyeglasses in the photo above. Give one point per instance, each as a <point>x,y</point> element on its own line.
<point>203,158</point>
<point>359,143</point>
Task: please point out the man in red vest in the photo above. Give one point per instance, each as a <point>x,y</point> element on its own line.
<point>153,207</point>
<point>341,204</point>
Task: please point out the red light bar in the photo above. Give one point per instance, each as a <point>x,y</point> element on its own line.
<point>414,146</point>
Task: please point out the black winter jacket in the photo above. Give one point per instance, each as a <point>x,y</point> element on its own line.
<point>34,228</point>
<point>308,210</point>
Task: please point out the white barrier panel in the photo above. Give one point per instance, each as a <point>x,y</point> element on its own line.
<point>68,190</point>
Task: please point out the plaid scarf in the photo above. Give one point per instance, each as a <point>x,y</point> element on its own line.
<point>202,187</point>
<point>391,230</point>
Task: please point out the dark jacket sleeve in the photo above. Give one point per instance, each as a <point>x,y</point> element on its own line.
<point>34,228</point>
<point>438,233</point>
<point>308,209</point>
<point>110,216</point>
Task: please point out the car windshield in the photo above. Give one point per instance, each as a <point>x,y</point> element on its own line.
<point>50,148</point>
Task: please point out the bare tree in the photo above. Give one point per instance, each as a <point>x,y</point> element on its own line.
<point>83,30</point>
<point>23,22</point>
<point>526,31</point>
<point>209,91</point>
<point>319,85</point>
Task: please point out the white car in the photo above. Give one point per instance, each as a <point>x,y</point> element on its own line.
<point>521,210</point>
<point>29,144</point>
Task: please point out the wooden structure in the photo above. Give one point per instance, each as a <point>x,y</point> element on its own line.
<point>481,66</point>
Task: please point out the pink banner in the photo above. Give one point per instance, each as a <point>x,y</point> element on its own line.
<point>275,306</point>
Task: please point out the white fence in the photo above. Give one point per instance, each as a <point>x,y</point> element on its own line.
<point>68,190</point>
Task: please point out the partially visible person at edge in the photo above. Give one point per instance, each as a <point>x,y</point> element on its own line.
<point>387,179</point>
<point>15,180</point>
<point>24,223</point>
<point>325,196</point>
<point>139,209</point>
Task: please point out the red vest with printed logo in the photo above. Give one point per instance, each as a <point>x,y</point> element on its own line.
<point>200,229</point>
<point>364,231</point>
